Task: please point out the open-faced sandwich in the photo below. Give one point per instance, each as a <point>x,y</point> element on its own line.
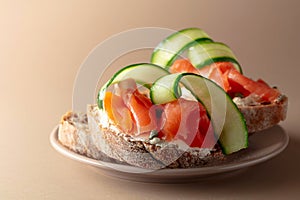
<point>175,113</point>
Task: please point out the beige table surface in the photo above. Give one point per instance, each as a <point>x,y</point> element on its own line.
<point>43,43</point>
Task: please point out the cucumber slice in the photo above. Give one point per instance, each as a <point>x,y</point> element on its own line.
<point>142,73</point>
<point>166,89</point>
<point>228,122</point>
<point>206,53</point>
<point>168,50</point>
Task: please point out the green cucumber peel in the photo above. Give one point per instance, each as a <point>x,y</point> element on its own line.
<point>205,53</point>
<point>202,50</point>
<point>143,73</point>
<point>171,47</point>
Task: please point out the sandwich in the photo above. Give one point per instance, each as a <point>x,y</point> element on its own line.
<point>175,113</point>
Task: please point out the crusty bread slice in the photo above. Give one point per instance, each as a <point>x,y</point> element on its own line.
<point>78,133</point>
<point>261,117</point>
<point>86,134</point>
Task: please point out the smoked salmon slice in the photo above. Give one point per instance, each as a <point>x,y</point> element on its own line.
<point>118,112</point>
<point>232,81</point>
<point>187,120</point>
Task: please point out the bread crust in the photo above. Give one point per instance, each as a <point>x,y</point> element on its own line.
<point>74,134</point>
<point>84,134</point>
<point>146,155</point>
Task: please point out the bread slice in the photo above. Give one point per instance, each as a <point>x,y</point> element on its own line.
<point>93,135</point>
<point>78,132</point>
<point>261,117</point>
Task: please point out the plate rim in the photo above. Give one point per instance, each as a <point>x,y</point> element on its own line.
<point>209,170</point>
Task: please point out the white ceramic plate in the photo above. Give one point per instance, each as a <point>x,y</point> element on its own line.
<point>262,146</point>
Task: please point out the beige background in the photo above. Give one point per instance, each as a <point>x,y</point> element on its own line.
<point>43,43</point>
